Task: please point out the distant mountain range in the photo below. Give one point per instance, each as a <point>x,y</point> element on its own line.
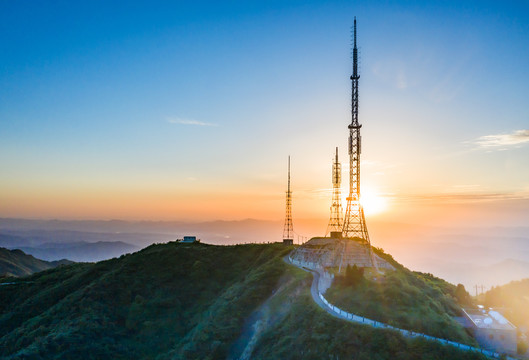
<point>91,241</point>
<point>471,255</point>
<point>16,238</point>
<point>81,251</point>
<point>17,263</point>
<point>141,233</point>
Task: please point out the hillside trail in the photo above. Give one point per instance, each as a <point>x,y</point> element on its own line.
<point>262,319</point>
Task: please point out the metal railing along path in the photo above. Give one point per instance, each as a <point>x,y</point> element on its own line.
<point>377,324</point>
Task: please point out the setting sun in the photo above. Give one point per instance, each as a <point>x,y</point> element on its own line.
<point>372,201</point>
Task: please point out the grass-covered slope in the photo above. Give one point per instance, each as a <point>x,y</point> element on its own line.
<point>405,299</point>
<point>308,332</point>
<point>188,299</point>
<point>177,301</point>
<point>17,263</point>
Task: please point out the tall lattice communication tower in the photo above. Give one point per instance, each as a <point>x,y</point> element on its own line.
<point>336,219</point>
<point>349,245</point>
<point>354,222</point>
<point>288,229</point>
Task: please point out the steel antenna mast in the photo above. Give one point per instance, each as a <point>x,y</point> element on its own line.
<point>354,222</point>
<point>288,229</point>
<point>336,219</point>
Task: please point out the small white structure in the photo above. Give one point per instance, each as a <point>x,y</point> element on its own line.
<point>491,330</point>
<point>189,240</point>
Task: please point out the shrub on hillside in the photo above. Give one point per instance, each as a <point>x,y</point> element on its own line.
<point>353,276</point>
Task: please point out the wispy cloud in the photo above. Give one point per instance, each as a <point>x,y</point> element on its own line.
<point>189,122</point>
<point>314,193</point>
<point>457,197</point>
<point>501,141</point>
<point>374,164</point>
<point>392,72</point>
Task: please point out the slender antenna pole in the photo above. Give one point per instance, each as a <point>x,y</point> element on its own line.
<point>288,173</point>
<point>288,229</point>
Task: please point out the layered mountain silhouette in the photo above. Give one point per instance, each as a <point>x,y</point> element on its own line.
<point>17,263</point>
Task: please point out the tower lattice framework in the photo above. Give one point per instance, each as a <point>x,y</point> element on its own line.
<point>336,219</point>
<point>288,229</point>
<point>354,222</point>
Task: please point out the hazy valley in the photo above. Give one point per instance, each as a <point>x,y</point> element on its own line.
<point>471,256</point>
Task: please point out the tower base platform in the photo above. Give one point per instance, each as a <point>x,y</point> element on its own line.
<point>337,252</point>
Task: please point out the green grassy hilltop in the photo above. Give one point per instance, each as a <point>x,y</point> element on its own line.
<point>196,301</point>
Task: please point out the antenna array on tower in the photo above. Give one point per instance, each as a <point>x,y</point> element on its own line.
<point>336,221</point>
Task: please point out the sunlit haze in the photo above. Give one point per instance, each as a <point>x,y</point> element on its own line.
<point>188,110</point>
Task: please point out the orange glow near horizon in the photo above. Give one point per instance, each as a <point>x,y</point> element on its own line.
<point>265,202</point>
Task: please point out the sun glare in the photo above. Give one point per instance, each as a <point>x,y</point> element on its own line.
<point>372,201</point>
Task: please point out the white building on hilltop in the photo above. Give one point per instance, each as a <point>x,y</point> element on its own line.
<point>491,330</point>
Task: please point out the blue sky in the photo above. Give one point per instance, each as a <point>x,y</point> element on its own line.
<point>144,109</point>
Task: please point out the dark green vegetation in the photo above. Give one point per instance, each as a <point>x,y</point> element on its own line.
<point>307,332</point>
<point>178,301</point>
<point>405,299</point>
<point>171,298</point>
<point>17,263</point>
<point>353,276</point>
<point>463,297</point>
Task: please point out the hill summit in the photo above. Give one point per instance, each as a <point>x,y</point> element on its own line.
<point>198,301</point>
